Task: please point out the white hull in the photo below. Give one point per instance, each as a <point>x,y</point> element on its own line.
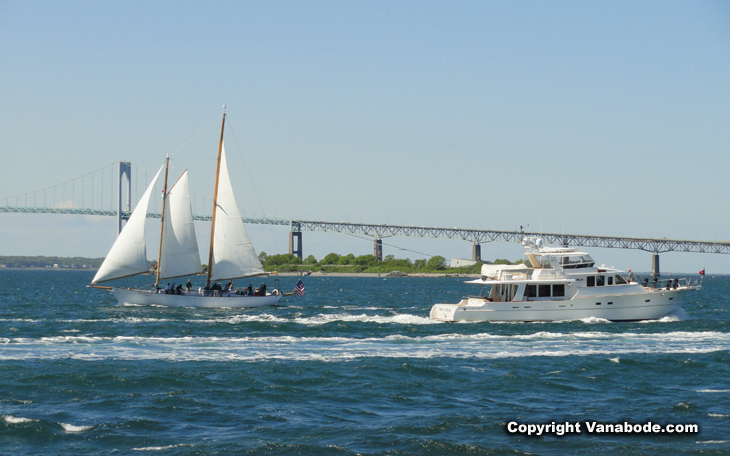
<point>149,298</point>
<point>650,305</point>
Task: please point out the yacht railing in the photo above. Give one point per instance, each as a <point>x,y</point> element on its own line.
<point>668,284</point>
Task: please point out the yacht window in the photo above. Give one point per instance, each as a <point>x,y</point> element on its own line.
<point>610,280</point>
<point>531,291</point>
<point>600,281</point>
<point>620,280</point>
<point>558,290</point>
<point>544,291</point>
<point>591,281</point>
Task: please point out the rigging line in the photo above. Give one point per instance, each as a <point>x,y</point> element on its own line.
<point>198,134</point>
<point>235,139</point>
<point>391,245</point>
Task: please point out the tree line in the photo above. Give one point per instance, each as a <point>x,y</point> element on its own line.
<point>44,261</point>
<point>350,263</point>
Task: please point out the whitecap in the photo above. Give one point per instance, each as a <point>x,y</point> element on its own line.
<point>72,428</point>
<point>671,318</point>
<point>614,360</point>
<point>406,319</point>
<point>15,419</point>
<point>712,442</point>
<point>712,391</point>
<point>718,415</point>
<point>160,448</point>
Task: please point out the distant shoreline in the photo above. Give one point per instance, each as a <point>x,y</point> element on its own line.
<point>375,274</point>
<point>290,274</point>
<point>381,275</point>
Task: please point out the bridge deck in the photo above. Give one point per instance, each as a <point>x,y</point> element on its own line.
<point>470,235</point>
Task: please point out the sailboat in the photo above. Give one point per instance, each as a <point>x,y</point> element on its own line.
<point>231,254</point>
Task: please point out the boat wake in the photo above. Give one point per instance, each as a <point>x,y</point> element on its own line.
<point>474,346</point>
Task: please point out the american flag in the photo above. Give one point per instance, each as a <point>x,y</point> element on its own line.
<point>299,288</point>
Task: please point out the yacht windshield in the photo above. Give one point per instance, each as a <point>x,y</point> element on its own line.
<point>577,261</point>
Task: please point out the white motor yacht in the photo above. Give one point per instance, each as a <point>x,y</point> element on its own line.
<point>562,283</point>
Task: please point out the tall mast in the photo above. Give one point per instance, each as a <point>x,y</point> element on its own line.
<point>162,222</point>
<point>215,200</point>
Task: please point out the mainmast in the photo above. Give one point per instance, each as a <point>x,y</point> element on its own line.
<point>215,200</point>
<point>162,223</point>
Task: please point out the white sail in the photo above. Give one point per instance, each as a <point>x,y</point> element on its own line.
<point>128,255</point>
<point>233,252</point>
<point>180,255</point>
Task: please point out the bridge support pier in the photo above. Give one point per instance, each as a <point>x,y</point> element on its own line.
<point>655,265</point>
<point>476,252</point>
<point>125,168</point>
<point>295,238</point>
<point>378,250</point>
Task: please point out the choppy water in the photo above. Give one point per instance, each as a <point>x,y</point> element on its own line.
<point>354,367</point>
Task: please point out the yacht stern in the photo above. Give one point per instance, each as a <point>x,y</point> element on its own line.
<point>443,312</point>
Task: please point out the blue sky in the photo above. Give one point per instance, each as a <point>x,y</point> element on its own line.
<point>607,118</point>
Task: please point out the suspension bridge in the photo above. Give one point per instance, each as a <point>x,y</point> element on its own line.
<point>103,193</point>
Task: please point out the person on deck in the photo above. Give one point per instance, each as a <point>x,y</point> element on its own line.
<point>188,286</point>
<point>250,289</point>
<point>262,289</point>
<point>167,289</point>
<point>229,287</point>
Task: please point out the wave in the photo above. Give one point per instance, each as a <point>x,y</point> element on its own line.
<point>403,319</point>
<point>453,345</point>
<point>11,419</point>
<point>17,420</point>
<point>72,428</point>
<point>326,318</point>
<point>162,448</point>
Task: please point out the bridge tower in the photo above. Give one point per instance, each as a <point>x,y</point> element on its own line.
<point>655,266</point>
<point>295,243</point>
<point>476,252</point>
<point>125,168</point>
<point>378,250</point>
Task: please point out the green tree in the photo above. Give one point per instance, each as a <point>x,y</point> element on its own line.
<point>310,260</point>
<point>436,262</point>
<point>331,258</point>
<point>262,257</point>
<point>363,260</point>
<point>347,259</point>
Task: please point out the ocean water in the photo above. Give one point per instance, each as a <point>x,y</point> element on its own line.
<point>355,367</point>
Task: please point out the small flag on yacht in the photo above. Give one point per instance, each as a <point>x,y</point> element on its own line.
<point>299,288</point>
<point>702,272</point>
